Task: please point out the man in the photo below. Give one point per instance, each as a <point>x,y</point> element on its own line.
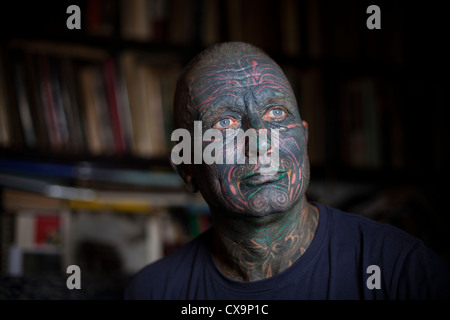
<point>267,241</point>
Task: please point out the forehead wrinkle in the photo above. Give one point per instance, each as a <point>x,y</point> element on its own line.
<point>217,87</point>
<point>219,108</point>
<point>211,99</point>
<point>233,80</point>
<point>209,82</point>
<point>238,69</point>
<point>225,91</point>
<point>239,64</point>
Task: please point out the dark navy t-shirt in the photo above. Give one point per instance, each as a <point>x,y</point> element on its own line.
<point>336,265</point>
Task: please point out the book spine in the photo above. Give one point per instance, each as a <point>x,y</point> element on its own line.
<point>60,112</point>
<point>109,73</point>
<point>48,103</point>
<point>23,102</point>
<point>5,130</point>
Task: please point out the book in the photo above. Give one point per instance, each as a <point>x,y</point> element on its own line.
<point>123,103</point>
<point>159,13</point>
<point>72,105</point>
<point>181,21</point>
<point>135,78</point>
<point>60,110</point>
<point>210,22</point>
<point>12,109</point>
<point>117,127</point>
<point>5,131</point>
<point>6,238</point>
<point>91,118</point>
<point>101,17</point>
<point>17,200</point>
<point>133,20</point>
<point>150,82</point>
<point>99,130</point>
<point>40,242</point>
<point>23,103</point>
<point>39,117</point>
<point>154,107</point>
<point>16,172</point>
<point>51,112</point>
<point>37,229</point>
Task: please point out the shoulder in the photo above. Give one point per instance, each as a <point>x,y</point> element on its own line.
<point>168,277</point>
<point>353,227</point>
<point>352,236</point>
<point>410,268</point>
<point>371,239</point>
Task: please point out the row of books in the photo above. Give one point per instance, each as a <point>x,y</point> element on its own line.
<point>309,28</point>
<point>201,22</point>
<point>45,235</point>
<point>358,125</point>
<point>91,102</point>
<point>312,28</point>
<point>178,22</point>
<point>75,99</point>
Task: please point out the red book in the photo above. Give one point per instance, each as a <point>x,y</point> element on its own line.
<point>111,94</point>
<point>47,229</point>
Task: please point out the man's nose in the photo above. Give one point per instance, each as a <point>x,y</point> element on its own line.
<point>263,143</point>
<point>254,121</point>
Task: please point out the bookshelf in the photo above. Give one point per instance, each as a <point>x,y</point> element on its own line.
<point>85,114</point>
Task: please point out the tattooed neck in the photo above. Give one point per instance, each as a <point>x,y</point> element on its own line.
<point>250,249</point>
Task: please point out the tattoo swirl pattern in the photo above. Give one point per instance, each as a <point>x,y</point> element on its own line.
<point>280,199</point>
<point>259,203</point>
<point>287,164</point>
<point>238,173</point>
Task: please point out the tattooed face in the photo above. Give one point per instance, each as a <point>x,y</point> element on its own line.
<point>249,92</point>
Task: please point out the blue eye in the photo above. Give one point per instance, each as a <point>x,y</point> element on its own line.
<point>224,122</point>
<point>277,112</point>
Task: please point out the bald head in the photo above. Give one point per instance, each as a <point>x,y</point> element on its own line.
<point>220,71</point>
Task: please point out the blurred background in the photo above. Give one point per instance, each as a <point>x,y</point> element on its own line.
<point>85,124</point>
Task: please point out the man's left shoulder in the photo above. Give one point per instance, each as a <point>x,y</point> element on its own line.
<point>409,268</point>
<point>372,240</point>
<point>365,229</point>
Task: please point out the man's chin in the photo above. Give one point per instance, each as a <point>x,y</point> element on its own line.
<point>260,214</point>
<point>269,198</point>
<point>259,200</point>
<point>266,202</point>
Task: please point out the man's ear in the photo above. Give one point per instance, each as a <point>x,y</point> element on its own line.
<point>185,173</point>
<point>305,125</point>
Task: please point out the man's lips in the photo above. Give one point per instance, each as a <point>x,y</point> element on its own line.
<point>256,178</point>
